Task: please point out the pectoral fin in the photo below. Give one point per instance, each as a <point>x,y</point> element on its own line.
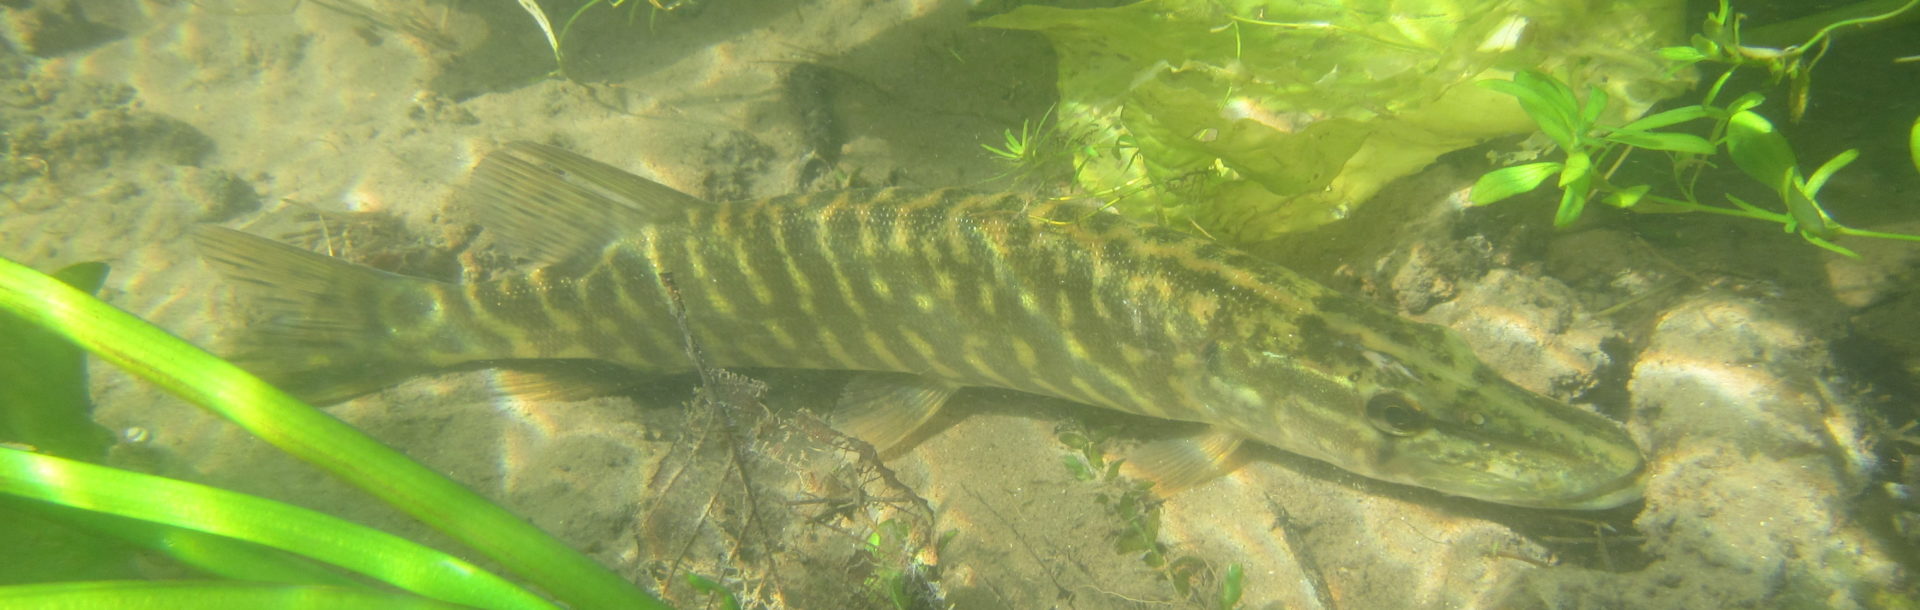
<point>883,408</point>
<point>563,380</point>
<point>1179,463</point>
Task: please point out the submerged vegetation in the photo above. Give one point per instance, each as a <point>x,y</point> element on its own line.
<point>1246,120</point>
<point>307,433</point>
<point>1593,150</point>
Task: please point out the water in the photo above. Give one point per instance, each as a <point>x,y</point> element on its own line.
<point>1763,377</point>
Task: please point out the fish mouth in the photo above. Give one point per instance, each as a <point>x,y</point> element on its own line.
<point>1617,492</point>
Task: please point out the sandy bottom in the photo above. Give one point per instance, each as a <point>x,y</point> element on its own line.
<point>346,125</point>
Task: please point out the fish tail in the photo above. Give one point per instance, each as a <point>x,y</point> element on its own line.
<point>323,329</point>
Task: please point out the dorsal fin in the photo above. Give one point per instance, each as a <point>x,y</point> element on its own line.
<point>557,205</point>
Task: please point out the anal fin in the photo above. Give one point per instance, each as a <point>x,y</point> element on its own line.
<point>1179,463</point>
<point>884,408</point>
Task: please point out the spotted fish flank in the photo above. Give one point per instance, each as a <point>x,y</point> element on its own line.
<point>933,291</point>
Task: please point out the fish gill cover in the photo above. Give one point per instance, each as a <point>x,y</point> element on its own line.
<point>1247,119</point>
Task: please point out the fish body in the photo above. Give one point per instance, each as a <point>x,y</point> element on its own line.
<point>932,291</point>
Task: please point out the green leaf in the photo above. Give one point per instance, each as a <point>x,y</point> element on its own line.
<point>1230,588</point>
<point>315,437</point>
<point>1819,241</point>
<point>1629,197</point>
<point>1684,55</point>
<point>43,384</point>
<point>1572,201</point>
<point>1654,140</point>
<point>1668,117</point>
<point>383,556</point>
<point>1746,102</point>
<point>1913,144</point>
<point>215,595</point>
<point>1760,151</point>
<point>1806,213</point>
<point>1826,170</point>
<point>1554,115</point>
<point>1578,166</point>
<point>1509,181</point>
<point>1596,103</point>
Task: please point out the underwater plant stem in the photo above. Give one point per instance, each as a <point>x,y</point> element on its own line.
<point>315,437</point>
<point>1808,30</point>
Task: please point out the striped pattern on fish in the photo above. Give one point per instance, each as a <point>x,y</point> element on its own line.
<point>943,289</point>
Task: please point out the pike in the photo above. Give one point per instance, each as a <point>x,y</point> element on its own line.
<point>928,292</point>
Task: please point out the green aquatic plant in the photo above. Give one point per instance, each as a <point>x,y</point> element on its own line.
<point>304,432</point>
<point>1593,150</point>
<point>1248,119</point>
<point>557,39</point>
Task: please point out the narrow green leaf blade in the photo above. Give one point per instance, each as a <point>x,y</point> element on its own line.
<point>1510,181</point>
<point>315,437</point>
<point>1573,201</point>
<point>1667,118</point>
<point>1826,170</point>
<point>1596,103</point>
<point>377,554</point>
<point>1653,140</point>
<point>209,595</point>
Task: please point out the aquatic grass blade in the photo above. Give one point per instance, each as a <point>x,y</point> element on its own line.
<point>315,437</point>
<point>43,383</point>
<point>1673,142</point>
<point>377,554</point>
<point>211,554</point>
<point>205,595</point>
<point>1667,118</point>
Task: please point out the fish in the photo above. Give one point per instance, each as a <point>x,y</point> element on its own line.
<point>925,292</point>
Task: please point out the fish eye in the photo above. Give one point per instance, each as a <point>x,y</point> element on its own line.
<point>1395,414</point>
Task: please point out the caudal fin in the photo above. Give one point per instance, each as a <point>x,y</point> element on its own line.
<point>317,329</point>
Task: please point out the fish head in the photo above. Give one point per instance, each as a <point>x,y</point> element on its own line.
<point>1401,401</point>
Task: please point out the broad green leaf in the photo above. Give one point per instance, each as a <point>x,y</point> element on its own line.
<point>1653,140</point>
<point>1913,144</point>
<point>1760,151</point>
<point>1554,117</point>
<point>1509,181</point>
<point>1578,165</point>
<point>1629,197</point>
<point>1806,213</point>
<point>1667,117</point>
<point>377,554</point>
